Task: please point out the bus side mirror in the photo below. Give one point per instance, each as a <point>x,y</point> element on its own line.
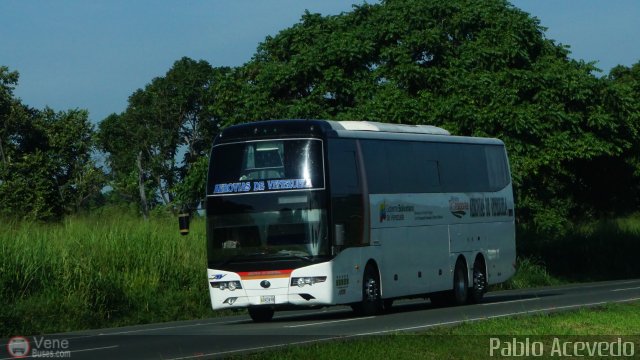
<point>339,234</point>
<point>183,222</point>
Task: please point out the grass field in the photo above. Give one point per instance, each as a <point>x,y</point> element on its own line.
<point>113,269</point>
<point>473,340</point>
<point>100,271</point>
<point>601,250</point>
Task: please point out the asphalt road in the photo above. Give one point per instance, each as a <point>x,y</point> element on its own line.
<point>232,335</point>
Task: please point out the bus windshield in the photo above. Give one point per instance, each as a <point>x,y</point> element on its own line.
<point>263,204</point>
<point>265,166</point>
<point>285,233</point>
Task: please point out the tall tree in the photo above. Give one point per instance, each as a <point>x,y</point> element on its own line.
<point>170,118</point>
<point>475,68</point>
<point>8,81</point>
<point>479,68</point>
<point>46,165</point>
<point>70,139</point>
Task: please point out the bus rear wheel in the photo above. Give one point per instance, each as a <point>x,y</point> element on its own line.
<point>261,314</point>
<point>459,295</point>
<point>479,286</point>
<point>460,284</point>
<point>460,292</point>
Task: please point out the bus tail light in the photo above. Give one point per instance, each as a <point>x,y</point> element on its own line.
<point>310,280</point>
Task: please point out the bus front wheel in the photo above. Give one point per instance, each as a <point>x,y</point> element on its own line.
<point>371,303</point>
<point>261,314</point>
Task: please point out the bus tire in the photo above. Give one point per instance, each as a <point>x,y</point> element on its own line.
<point>479,286</point>
<point>460,291</point>
<point>371,303</point>
<point>261,314</point>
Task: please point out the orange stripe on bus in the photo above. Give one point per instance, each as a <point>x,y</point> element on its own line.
<point>270,274</point>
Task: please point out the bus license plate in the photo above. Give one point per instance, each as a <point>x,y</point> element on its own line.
<point>268,299</point>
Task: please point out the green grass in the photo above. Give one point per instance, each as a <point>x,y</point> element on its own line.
<point>471,340</point>
<point>101,271</point>
<point>530,272</point>
<point>598,250</point>
<point>113,269</point>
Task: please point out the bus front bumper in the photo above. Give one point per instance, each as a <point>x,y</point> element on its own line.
<point>275,292</point>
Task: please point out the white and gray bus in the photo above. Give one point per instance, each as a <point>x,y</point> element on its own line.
<point>315,213</point>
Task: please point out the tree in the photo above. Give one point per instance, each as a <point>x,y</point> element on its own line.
<point>46,168</point>
<point>7,82</point>
<point>27,189</point>
<point>621,98</point>
<point>474,68</point>
<point>70,146</point>
<point>171,117</point>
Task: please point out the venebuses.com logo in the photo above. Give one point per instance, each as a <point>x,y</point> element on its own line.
<point>40,347</point>
<point>18,347</point>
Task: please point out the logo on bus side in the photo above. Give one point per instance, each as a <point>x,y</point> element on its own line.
<point>395,212</point>
<point>458,208</point>
<point>383,212</point>
<point>490,206</point>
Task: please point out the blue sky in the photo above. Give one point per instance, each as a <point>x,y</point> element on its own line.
<point>94,54</point>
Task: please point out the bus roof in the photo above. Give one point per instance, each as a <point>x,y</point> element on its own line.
<point>398,128</point>
<point>394,128</point>
<point>386,131</point>
<point>346,129</point>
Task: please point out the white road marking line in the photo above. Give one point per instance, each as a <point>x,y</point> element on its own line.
<point>481,318</point>
<point>79,336</point>
<point>629,282</point>
<point>565,287</point>
<point>625,289</point>
<point>178,326</point>
<point>257,348</point>
<point>329,322</point>
<point>402,329</point>
<point>526,312</point>
<point>201,324</point>
<point>164,328</point>
<point>510,301</point>
<point>94,349</point>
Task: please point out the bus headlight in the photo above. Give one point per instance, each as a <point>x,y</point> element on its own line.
<point>309,280</point>
<point>223,285</point>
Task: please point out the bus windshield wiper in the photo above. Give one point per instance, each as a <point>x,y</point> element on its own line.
<point>242,257</point>
<point>296,254</point>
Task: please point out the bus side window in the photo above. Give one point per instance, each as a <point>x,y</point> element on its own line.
<point>453,176</point>
<point>375,160</point>
<point>498,174</point>
<point>426,168</point>
<point>347,181</point>
<point>346,195</point>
